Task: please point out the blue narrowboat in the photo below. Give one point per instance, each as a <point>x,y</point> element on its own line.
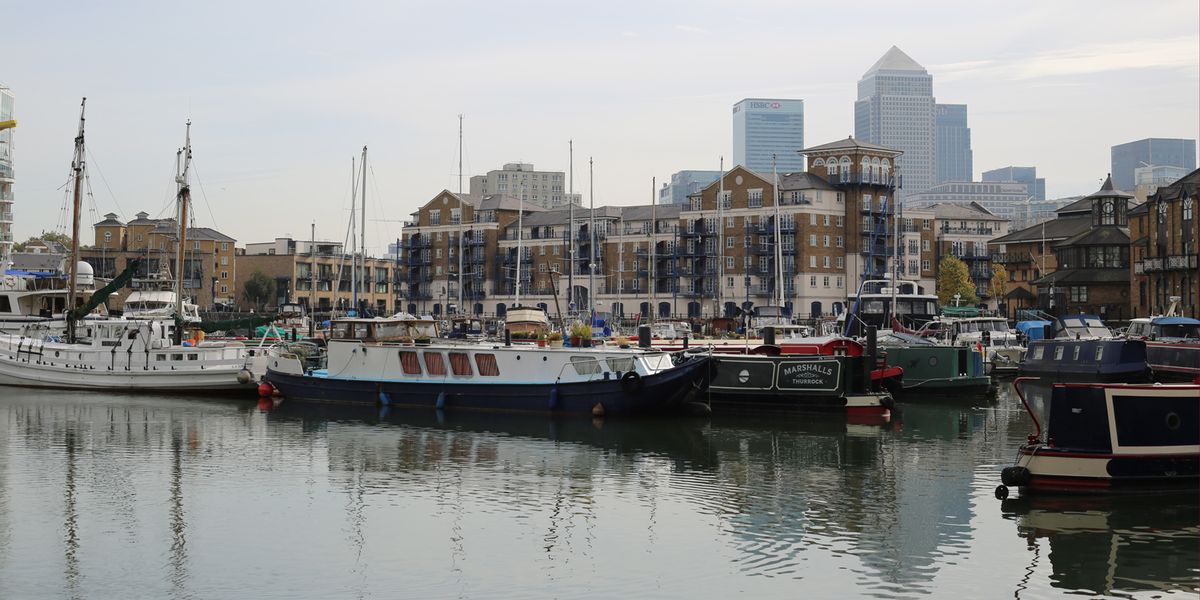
<point>1084,350</point>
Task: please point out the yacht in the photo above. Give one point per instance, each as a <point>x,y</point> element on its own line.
<point>878,301</point>
<point>1172,343</point>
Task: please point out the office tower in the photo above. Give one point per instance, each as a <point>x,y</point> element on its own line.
<point>766,127</point>
<point>1027,175</point>
<point>895,108</point>
<point>954,159</point>
<point>1150,152</point>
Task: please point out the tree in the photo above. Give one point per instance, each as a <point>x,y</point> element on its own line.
<point>48,236</point>
<point>953,277</point>
<point>259,289</point>
<point>999,286</point>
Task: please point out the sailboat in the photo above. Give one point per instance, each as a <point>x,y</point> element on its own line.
<point>120,354</point>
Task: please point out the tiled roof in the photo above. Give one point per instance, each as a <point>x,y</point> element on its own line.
<point>849,144</point>
<point>974,210</point>
<point>1051,231</point>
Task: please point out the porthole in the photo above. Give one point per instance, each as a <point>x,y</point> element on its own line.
<point>1173,421</point>
<point>933,361</point>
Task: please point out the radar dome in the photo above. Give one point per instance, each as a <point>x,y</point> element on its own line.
<point>84,275</point>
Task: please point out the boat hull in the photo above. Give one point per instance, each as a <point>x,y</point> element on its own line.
<point>795,384</point>
<point>1174,361</point>
<point>673,391</point>
<point>52,375</point>
<point>939,369</point>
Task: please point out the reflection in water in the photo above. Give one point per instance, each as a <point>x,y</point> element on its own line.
<point>1105,545</point>
<point>310,501</point>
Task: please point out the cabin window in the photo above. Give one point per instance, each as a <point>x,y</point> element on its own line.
<point>176,357</point>
<point>1099,352</point>
<point>487,365</point>
<point>620,364</point>
<point>1039,353</point>
<point>343,331</point>
<point>410,363</point>
<point>5,304</point>
<point>193,356</point>
<point>390,331</point>
<point>460,363</point>
<point>434,364</point>
<point>160,357</point>
<point>1058,353</point>
<point>585,365</point>
<point>1076,355</point>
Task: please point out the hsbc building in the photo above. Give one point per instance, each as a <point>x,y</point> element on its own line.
<point>766,127</point>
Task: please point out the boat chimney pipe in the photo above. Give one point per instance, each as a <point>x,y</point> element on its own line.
<point>872,354</point>
<point>507,337</point>
<point>769,336</point>
<point>643,336</point>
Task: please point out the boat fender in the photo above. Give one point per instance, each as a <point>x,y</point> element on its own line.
<point>554,399</point>
<point>887,402</point>
<point>384,399</point>
<point>1016,476</point>
<point>441,401</point>
<point>244,376</point>
<point>598,410</point>
<point>265,389</point>
<point>631,382</point>
<point>1001,492</point>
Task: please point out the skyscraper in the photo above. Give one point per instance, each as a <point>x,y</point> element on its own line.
<point>684,184</point>
<point>954,159</point>
<point>7,100</point>
<point>895,108</point>
<point>763,127</point>
<point>1150,152</point>
<point>1026,175</point>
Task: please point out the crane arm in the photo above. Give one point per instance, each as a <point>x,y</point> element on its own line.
<point>7,124</point>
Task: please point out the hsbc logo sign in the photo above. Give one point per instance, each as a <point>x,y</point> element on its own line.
<point>768,105</point>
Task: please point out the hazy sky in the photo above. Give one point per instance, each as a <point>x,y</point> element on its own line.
<point>281,95</point>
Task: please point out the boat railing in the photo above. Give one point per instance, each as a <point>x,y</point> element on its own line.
<point>1036,436</point>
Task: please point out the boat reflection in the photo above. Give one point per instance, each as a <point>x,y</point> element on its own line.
<point>1111,544</point>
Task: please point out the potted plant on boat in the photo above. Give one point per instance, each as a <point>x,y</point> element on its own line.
<point>579,334</point>
<point>555,339</point>
<point>622,341</point>
<point>541,340</point>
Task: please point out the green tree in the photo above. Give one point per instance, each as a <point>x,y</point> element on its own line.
<point>49,236</point>
<point>953,277</point>
<point>999,285</point>
<point>259,289</point>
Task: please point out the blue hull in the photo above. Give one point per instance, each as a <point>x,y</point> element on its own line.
<point>1087,361</point>
<point>674,391</point>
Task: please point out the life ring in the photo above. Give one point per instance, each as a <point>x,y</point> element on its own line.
<point>631,382</point>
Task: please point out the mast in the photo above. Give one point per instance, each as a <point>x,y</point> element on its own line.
<point>720,311</point>
<point>621,258</point>
<point>571,229</point>
<point>362,249</point>
<point>184,196</point>
<point>592,244</point>
<point>520,231</point>
<point>77,166</point>
<point>312,280</point>
<point>353,238</point>
<point>778,241</point>
<point>895,252</point>
<point>461,214</point>
<point>653,246</point>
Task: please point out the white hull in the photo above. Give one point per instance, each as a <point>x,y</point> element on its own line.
<point>56,375</point>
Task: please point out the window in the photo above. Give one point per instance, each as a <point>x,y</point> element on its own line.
<point>925,265</point>
<point>439,252</point>
<point>455,216</point>
<point>487,365</point>
<point>812,261</point>
<point>825,281</point>
<point>224,289</point>
<point>435,218</point>
<point>729,242</point>
<point>925,224</point>
<point>840,262</point>
<point>224,274</point>
<point>839,282</point>
<point>728,282</point>
<point>825,220</point>
<point>728,222</point>
<point>826,262</point>
<point>812,219</point>
<point>840,242</point>
<point>557,251</point>
<point>826,241</point>
<point>541,250</point>
<point>224,246</point>
<point>195,245</point>
<point>224,261</point>
<point>409,362</point>
<point>1078,293</point>
<point>107,237</point>
<point>925,245</point>
<point>841,221</point>
<point>812,281</point>
<point>434,364</point>
<point>460,363</point>
<point>620,364</point>
<point>553,267</point>
<point>585,365</point>
<point>812,239</point>
<point>728,262</point>
<point>542,267</point>
<point>756,198</point>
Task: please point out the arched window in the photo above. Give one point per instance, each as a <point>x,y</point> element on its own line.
<point>664,309</point>
<point>412,309</point>
<point>865,168</point>
<point>437,309</point>
<point>815,310</point>
<point>820,162</point>
<point>644,310</point>
<point>478,308</point>
<point>831,167</point>
<point>837,308</point>
<point>884,167</point>
<point>107,237</point>
<point>693,309</point>
<point>845,168</point>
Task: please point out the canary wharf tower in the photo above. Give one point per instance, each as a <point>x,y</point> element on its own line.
<point>895,108</point>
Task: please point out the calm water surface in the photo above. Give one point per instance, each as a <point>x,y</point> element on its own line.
<point>110,496</point>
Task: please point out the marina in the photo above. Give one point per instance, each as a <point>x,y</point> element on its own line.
<point>199,493</point>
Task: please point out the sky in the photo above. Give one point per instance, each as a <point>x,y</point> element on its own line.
<point>282,94</point>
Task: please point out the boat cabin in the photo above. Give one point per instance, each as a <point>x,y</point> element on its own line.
<point>383,330</point>
<point>1176,329</point>
<point>1082,327</point>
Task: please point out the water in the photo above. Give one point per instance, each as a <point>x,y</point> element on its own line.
<point>108,496</point>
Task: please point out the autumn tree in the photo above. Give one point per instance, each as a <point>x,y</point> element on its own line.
<point>999,285</point>
<point>953,277</point>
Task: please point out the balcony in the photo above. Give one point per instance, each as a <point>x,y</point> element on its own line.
<point>1174,262</point>
<point>888,180</point>
<point>418,243</point>
<point>6,217</point>
<point>418,260</point>
<point>1012,258</point>
<point>968,230</point>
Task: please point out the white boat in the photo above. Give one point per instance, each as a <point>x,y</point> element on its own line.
<point>121,354</point>
<point>526,320</point>
<point>369,362</point>
<point>41,299</point>
<point>157,304</point>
